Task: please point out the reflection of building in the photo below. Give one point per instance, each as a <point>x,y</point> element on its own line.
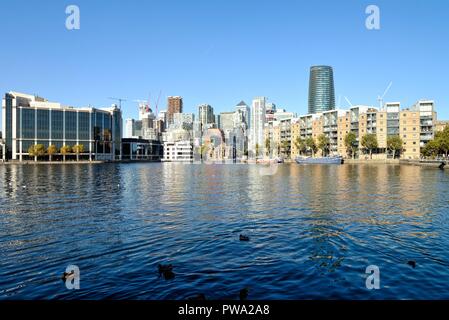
<point>140,149</point>
<point>30,120</point>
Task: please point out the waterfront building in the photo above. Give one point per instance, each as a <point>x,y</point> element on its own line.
<point>282,114</point>
<point>136,149</point>
<point>28,120</point>
<point>178,151</point>
<point>206,115</point>
<point>174,105</point>
<point>129,128</point>
<point>258,120</point>
<point>440,125</point>
<point>330,128</point>
<point>321,89</point>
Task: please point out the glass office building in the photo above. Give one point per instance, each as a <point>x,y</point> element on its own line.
<point>29,120</point>
<point>321,89</point>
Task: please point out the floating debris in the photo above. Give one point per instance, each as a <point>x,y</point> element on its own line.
<point>243,238</point>
<point>244,294</point>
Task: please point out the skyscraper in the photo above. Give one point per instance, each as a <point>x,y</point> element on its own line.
<point>258,120</point>
<point>206,115</point>
<point>174,105</point>
<point>321,89</point>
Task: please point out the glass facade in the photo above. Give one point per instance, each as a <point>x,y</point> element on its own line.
<point>321,89</point>
<point>99,131</point>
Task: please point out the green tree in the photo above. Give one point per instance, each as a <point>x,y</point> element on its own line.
<point>65,150</point>
<point>369,143</point>
<point>300,145</point>
<point>394,144</point>
<point>51,150</point>
<point>442,139</point>
<point>431,149</point>
<point>36,151</point>
<point>351,143</point>
<point>78,149</point>
<point>311,145</point>
<point>324,144</point>
<point>257,150</point>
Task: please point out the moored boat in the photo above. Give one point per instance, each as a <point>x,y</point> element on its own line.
<point>319,160</point>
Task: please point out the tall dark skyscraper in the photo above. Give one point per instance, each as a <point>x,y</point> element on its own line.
<point>321,89</point>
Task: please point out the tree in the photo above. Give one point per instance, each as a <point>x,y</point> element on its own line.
<point>442,139</point>
<point>267,146</point>
<point>300,145</point>
<point>51,150</point>
<point>77,149</point>
<point>65,150</point>
<point>257,150</point>
<point>394,144</point>
<point>36,151</point>
<point>369,142</point>
<point>351,143</point>
<point>431,149</point>
<point>311,145</point>
<point>324,144</point>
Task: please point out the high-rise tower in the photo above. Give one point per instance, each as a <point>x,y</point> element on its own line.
<point>321,89</point>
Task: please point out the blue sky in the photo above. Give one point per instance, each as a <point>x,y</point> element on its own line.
<point>223,51</point>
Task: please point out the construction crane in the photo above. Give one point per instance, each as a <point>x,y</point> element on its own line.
<point>120,100</point>
<point>157,103</point>
<point>347,100</point>
<point>381,98</point>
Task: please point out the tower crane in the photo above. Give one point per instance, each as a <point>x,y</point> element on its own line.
<point>120,100</point>
<point>381,98</point>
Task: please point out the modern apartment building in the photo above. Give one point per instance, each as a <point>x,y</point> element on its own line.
<point>29,120</point>
<point>415,126</point>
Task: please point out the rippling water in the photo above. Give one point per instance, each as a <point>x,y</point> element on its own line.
<point>313,231</point>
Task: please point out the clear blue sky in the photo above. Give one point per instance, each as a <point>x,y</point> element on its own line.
<point>220,52</point>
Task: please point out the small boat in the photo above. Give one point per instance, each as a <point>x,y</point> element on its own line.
<point>319,160</point>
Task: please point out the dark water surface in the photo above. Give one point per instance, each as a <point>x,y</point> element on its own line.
<point>313,231</point>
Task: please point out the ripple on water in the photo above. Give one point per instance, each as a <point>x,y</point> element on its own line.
<point>313,231</point>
